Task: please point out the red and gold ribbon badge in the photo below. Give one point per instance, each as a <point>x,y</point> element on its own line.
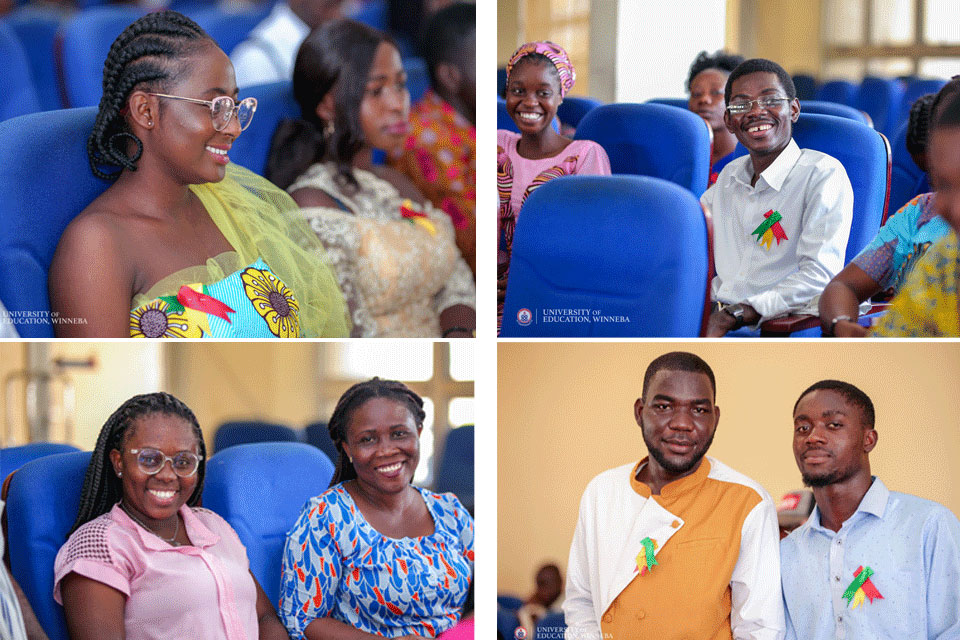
<point>413,216</point>
<point>770,229</point>
<point>861,588</point>
<point>646,559</point>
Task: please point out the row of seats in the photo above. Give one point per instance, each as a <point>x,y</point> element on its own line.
<point>56,61</point>
<point>656,283</point>
<point>550,627</point>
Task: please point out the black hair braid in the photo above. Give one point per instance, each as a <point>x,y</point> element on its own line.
<point>354,398</point>
<point>101,486</point>
<point>918,126</point>
<point>145,54</point>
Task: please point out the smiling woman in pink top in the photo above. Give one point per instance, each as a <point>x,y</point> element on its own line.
<point>143,562</point>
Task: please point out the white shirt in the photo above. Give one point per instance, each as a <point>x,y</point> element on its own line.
<point>813,195</point>
<point>268,53</point>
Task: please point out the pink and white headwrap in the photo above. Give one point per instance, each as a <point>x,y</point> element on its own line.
<point>555,54</point>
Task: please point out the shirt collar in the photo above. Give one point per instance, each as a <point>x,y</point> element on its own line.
<point>676,488</point>
<point>874,502</point>
<point>774,175</point>
<point>198,532</point>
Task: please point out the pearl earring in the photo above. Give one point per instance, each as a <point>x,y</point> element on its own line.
<point>119,474</point>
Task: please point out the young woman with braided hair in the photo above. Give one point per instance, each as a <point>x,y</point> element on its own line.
<point>184,243</point>
<point>143,561</point>
<point>374,556</point>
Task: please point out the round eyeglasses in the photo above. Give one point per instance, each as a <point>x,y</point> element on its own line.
<point>222,109</point>
<point>739,108</point>
<point>151,461</point>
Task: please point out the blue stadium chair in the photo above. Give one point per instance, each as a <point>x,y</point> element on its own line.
<point>806,86</point>
<point>19,94</point>
<point>573,108</point>
<point>42,502</point>
<point>835,109</point>
<point>508,602</point>
<point>12,458</point>
<point>881,98</point>
<point>501,81</point>
<point>46,182</point>
<point>915,88</point>
<point>682,103</point>
<point>231,434</point>
<point>238,479</point>
<point>631,250</point>
<point>550,626</point>
<point>37,27</point>
<point>865,154</point>
<point>373,13</point>
<point>87,37</point>
<point>504,121</point>
<point>418,77</point>
<point>507,622</point>
<point>228,28</point>
<point>652,140</point>
<point>907,180</point>
<point>274,103</point>
<point>317,434</point>
<point>455,472</point>
<point>840,91</point>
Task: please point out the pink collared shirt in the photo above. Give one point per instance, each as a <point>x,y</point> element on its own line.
<point>203,592</point>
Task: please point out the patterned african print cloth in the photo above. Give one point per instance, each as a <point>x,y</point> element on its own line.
<point>901,242</point>
<point>926,306</point>
<point>518,177</point>
<point>336,564</point>
<point>440,156</point>
<point>249,303</point>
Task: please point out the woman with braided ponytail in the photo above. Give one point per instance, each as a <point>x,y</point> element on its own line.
<point>374,556</point>
<point>143,561</point>
<point>184,243</point>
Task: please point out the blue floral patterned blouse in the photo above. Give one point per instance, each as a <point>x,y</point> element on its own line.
<point>335,564</point>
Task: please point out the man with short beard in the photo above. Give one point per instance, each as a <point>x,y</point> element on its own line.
<point>677,545</point>
<point>868,562</point>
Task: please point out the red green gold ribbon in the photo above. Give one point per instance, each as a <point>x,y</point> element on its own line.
<point>646,559</point>
<point>861,588</point>
<point>415,217</point>
<point>770,229</point>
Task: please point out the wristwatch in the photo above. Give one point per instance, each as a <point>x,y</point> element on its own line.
<point>735,310</point>
<point>833,325</point>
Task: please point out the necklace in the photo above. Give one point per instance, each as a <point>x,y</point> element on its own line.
<point>171,540</point>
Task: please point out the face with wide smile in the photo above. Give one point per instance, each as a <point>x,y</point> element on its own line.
<point>384,442</point>
<point>706,96</point>
<point>763,131</point>
<point>155,498</point>
<point>385,107</point>
<point>830,442</point>
<point>533,95</point>
<point>678,419</point>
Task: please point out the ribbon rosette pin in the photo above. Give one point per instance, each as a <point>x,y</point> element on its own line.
<point>770,229</point>
<point>861,588</point>
<point>646,559</point>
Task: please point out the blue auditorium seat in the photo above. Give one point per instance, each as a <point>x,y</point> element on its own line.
<point>87,37</point>
<point>881,98</point>
<point>455,473</point>
<point>907,180</point>
<point>374,13</point>
<point>806,86</point>
<point>19,93</point>
<point>317,434</point>
<point>508,602</point>
<point>507,622</point>
<point>418,77</point>
<point>633,251</point>
<point>42,503</point>
<point>46,182</point>
<point>573,108</point>
<point>37,27</point>
<point>652,140</point>
<point>12,458</point>
<point>501,81</point>
<point>228,28</point>
<point>274,103</point>
<point>231,434</point>
<point>835,109</point>
<point>239,478</point>
<point>682,103</point>
<point>840,91</point>
<point>915,88</point>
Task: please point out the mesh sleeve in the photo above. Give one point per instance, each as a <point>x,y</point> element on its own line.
<point>88,553</point>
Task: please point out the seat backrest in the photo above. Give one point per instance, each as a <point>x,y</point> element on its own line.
<point>455,472</point>
<point>37,27</point>
<point>915,88</point>
<point>87,37</point>
<point>317,434</point>
<point>228,28</point>
<point>841,91</point>
<point>835,109</point>
<point>42,504</point>
<point>274,103</point>
<point>806,86</point>
<point>907,180</point>
<point>683,103</point>
<point>12,458</point>
<point>865,154</point>
<point>608,256</point>
<point>19,94</point>
<point>238,479</point>
<point>881,97</point>
<point>652,140</point>
<point>418,77</point>
<point>374,13</point>
<point>231,434</point>
<point>46,182</point>
<point>573,108</point>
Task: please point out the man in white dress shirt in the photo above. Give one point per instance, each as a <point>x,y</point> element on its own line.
<point>781,214</point>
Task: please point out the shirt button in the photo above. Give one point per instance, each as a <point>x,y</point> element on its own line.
<point>608,618</point>
<point>641,614</point>
<point>837,578</point>
<point>839,541</point>
<point>839,619</point>
<point>675,524</point>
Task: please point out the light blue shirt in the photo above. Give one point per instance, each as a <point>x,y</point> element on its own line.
<point>913,547</point>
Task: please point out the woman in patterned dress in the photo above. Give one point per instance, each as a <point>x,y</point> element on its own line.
<point>539,75</point>
<point>375,556</point>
